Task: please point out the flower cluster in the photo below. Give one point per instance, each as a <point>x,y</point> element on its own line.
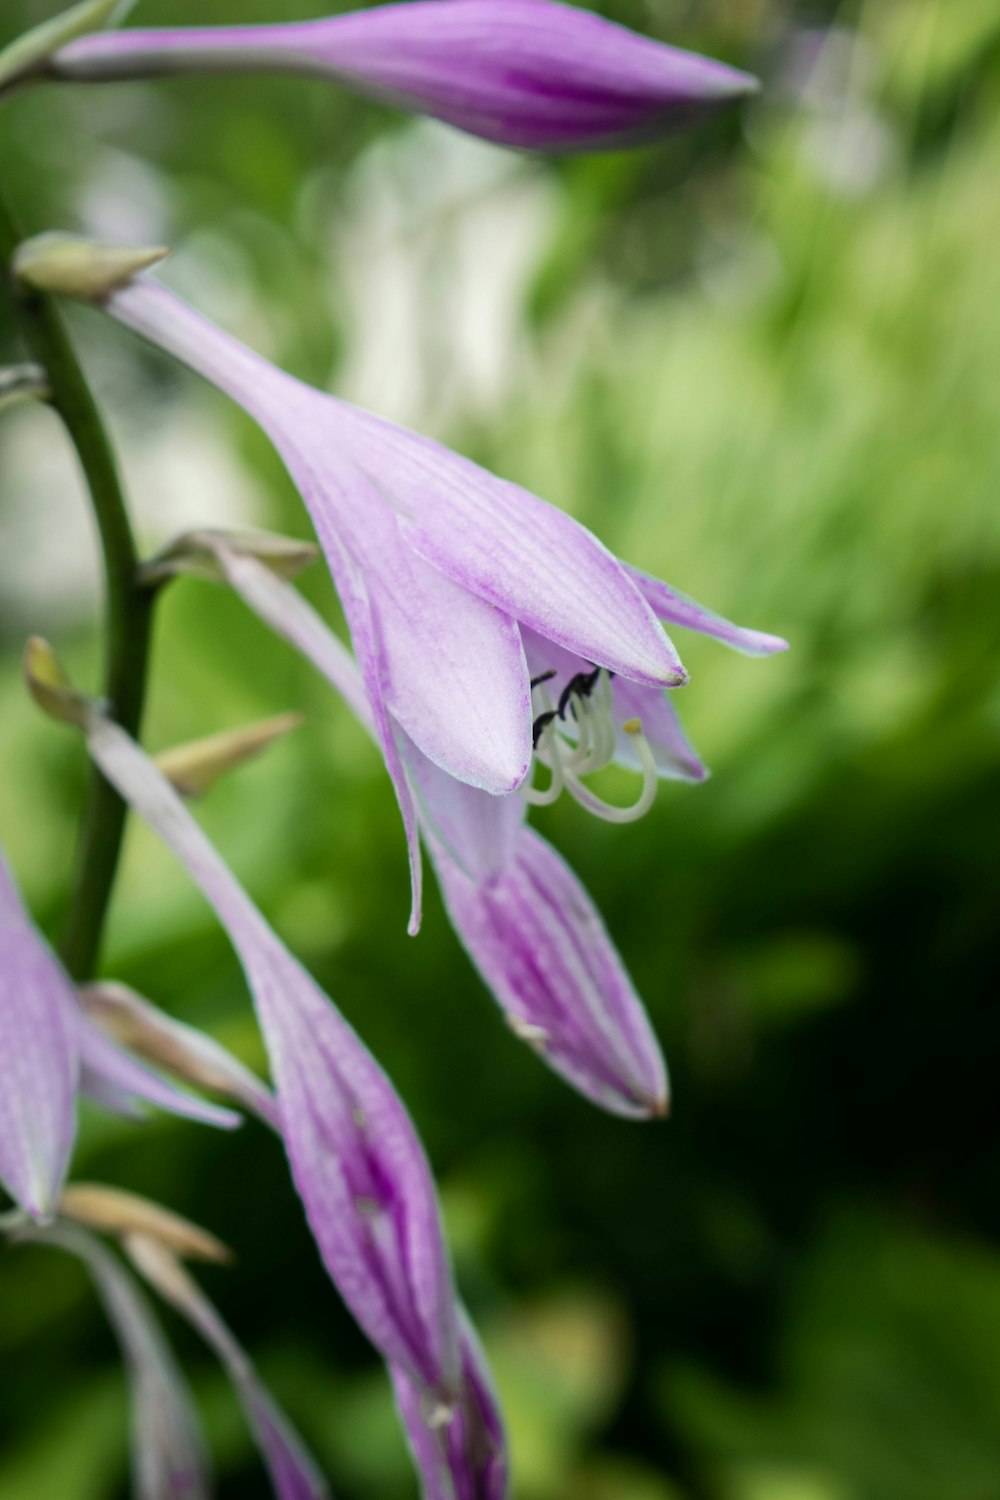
<point>501,657</point>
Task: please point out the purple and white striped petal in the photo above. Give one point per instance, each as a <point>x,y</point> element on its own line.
<point>293,1472</point>
<point>542,949</point>
<point>461,1454</point>
<point>357,1163</point>
<point>531,74</point>
<point>38,1057</point>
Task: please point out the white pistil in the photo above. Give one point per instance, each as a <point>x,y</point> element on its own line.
<point>647,795</point>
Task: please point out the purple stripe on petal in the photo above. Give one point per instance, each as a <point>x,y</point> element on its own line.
<point>460,1454</point>
<point>40,1063</point>
<point>542,949</point>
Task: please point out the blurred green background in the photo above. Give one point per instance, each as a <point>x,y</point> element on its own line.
<point>763,361</point>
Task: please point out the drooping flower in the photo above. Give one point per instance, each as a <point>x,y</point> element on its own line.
<point>532,74</point>
<point>525,920</point>
<point>49,1051</point>
<point>445,572</point>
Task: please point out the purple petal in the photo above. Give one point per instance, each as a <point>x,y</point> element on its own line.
<point>40,1064</point>
<point>447,665</point>
<point>356,1159</point>
<point>293,1473</point>
<point>117,1080</point>
<point>542,949</point>
<point>677,609</point>
<point>525,73</point>
<point>168,1455</point>
<point>461,1455</point>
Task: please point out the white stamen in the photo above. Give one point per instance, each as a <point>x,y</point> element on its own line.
<point>571,749</point>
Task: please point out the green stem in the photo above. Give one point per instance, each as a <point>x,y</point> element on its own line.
<point>129,607</point>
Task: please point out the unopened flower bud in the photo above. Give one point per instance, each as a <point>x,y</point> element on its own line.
<point>198,554</point>
<point>29,53</point>
<point>194,768</point>
<point>50,687</point>
<point>189,1054</point>
<point>112,1211</point>
<point>72,266</point>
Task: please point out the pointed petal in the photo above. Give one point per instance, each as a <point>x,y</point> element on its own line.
<point>40,1065</point>
<point>532,561</point>
<point>169,1461</point>
<point>356,1159</point>
<point>524,73</point>
<point>148,1032</point>
<point>294,1475</point>
<point>542,949</point>
<point>117,1080</point>
<point>675,756</point>
<point>461,1455</point>
<point>677,609</point>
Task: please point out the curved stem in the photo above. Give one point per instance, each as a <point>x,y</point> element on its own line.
<point>129,607</point>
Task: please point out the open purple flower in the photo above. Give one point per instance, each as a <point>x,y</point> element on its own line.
<point>526,73</point>
<point>446,575</point>
<point>50,1051</point>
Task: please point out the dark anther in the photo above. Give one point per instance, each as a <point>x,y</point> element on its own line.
<point>580,686</point>
<point>545,677</point>
<point>539,726</point>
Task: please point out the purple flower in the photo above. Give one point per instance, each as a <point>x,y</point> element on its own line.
<point>526,73</point>
<point>50,1050</point>
<point>445,572</point>
<point>358,1165</point>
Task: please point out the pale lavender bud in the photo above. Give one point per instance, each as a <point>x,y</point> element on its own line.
<point>531,74</point>
<point>169,1461</point>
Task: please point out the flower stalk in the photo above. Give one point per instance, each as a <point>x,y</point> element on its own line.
<point>129,602</point>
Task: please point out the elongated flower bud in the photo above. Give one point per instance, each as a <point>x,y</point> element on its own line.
<point>356,1159</point>
<point>526,73</point>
